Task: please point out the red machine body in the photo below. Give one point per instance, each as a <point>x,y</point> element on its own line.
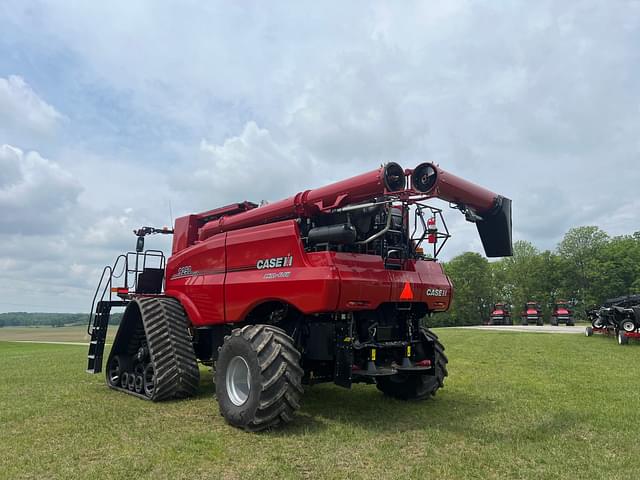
<point>532,313</point>
<point>500,315</point>
<point>561,313</point>
<point>329,285</point>
<point>224,278</point>
<point>228,261</point>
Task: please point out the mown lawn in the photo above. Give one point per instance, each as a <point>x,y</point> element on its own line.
<point>516,405</point>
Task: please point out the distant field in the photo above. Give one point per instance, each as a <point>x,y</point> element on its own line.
<point>50,334</point>
<point>515,406</point>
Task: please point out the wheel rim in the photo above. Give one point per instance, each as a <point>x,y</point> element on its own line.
<point>628,326</point>
<point>238,381</point>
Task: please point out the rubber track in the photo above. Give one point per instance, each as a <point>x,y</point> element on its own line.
<point>170,349</point>
<point>281,381</point>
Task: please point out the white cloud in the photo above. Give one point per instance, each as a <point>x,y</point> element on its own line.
<point>22,109</point>
<point>36,195</point>
<point>251,165</point>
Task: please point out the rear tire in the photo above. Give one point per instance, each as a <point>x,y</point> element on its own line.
<point>588,331</point>
<point>540,323</point>
<point>554,321</point>
<point>417,387</point>
<point>258,378</point>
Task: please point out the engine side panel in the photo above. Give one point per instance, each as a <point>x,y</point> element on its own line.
<point>267,263</point>
<point>223,278</point>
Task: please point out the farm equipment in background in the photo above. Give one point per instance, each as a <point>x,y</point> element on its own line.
<point>532,313</point>
<point>561,313</point>
<point>618,316</point>
<point>500,315</point>
<point>329,285</point>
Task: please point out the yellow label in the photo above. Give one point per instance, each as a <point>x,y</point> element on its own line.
<point>373,354</point>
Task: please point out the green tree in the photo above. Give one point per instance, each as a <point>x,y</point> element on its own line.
<point>550,284</point>
<point>523,274</point>
<point>581,250</point>
<point>470,274</point>
<point>617,271</point>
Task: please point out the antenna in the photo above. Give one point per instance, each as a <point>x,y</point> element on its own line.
<point>170,214</point>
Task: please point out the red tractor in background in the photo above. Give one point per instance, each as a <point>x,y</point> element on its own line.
<point>500,315</point>
<point>532,313</point>
<point>561,313</point>
<point>329,285</point>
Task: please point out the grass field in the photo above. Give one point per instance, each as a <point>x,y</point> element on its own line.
<point>516,405</point>
<point>49,334</point>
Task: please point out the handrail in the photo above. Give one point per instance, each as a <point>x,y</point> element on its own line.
<point>126,271</point>
<point>104,291</point>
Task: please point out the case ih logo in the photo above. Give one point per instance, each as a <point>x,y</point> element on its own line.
<point>275,262</point>
<point>436,292</point>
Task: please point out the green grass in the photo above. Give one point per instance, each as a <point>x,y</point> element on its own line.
<point>516,405</point>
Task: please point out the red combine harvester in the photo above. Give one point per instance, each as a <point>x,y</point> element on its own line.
<point>532,313</point>
<point>500,315</point>
<point>329,285</point>
<point>561,313</point>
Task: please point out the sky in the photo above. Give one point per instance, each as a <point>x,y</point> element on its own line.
<point>119,114</point>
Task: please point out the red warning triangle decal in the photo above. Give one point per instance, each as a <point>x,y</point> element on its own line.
<point>407,293</point>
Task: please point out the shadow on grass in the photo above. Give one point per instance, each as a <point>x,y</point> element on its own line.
<point>366,408</point>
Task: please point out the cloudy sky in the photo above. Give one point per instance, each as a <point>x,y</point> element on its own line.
<point>119,114</point>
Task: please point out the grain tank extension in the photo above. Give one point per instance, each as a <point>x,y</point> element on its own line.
<point>329,285</point>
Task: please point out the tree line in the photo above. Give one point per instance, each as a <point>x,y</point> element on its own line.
<point>25,319</point>
<point>587,267</point>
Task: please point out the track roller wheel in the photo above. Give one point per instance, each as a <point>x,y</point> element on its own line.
<point>149,380</point>
<point>417,387</point>
<point>117,367</point>
<point>258,378</point>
